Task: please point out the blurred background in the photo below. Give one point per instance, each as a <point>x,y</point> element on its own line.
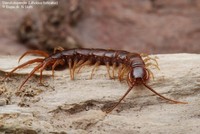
<point>144,26</point>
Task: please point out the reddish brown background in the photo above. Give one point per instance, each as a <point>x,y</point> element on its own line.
<point>149,26</point>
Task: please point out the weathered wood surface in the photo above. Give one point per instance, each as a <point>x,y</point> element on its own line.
<point>63,105</point>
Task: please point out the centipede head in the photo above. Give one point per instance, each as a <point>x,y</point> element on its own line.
<point>137,76</point>
<point>140,76</point>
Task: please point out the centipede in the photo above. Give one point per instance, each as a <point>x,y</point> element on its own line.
<point>132,67</point>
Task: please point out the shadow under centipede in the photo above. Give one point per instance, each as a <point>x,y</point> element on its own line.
<point>133,105</point>
<point>77,108</point>
<point>100,105</point>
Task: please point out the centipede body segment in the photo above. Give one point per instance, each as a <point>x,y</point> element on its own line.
<point>131,66</point>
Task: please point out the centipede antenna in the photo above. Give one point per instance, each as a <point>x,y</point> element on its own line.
<point>130,88</point>
<point>174,101</point>
<point>42,53</point>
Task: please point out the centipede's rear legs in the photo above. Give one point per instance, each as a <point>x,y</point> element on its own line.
<point>23,65</point>
<point>30,74</point>
<point>38,52</point>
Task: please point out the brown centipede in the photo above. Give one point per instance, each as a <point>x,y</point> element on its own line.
<point>130,65</point>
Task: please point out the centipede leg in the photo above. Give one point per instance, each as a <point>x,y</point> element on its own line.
<point>113,71</point>
<point>74,67</point>
<point>130,88</point>
<point>95,66</point>
<point>85,63</point>
<point>120,76</point>
<point>23,65</point>
<point>128,80</point>
<point>30,74</point>
<point>41,70</point>
<point>151,64</point>
<point>58,49</point>
<point>70,68</point>
<point>57,62</point>
<point>149,72</point>
<point>149,58</point>
<point>120,71</point>
<point>144,55</point>
<point>54,66</point>
<point>108,69</point>
<point>79,63</point>
<point>42,53</point>
<point>120,68</point>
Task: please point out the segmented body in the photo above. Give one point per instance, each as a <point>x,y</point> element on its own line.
<point>76,58</point>
<point>130,65</point>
